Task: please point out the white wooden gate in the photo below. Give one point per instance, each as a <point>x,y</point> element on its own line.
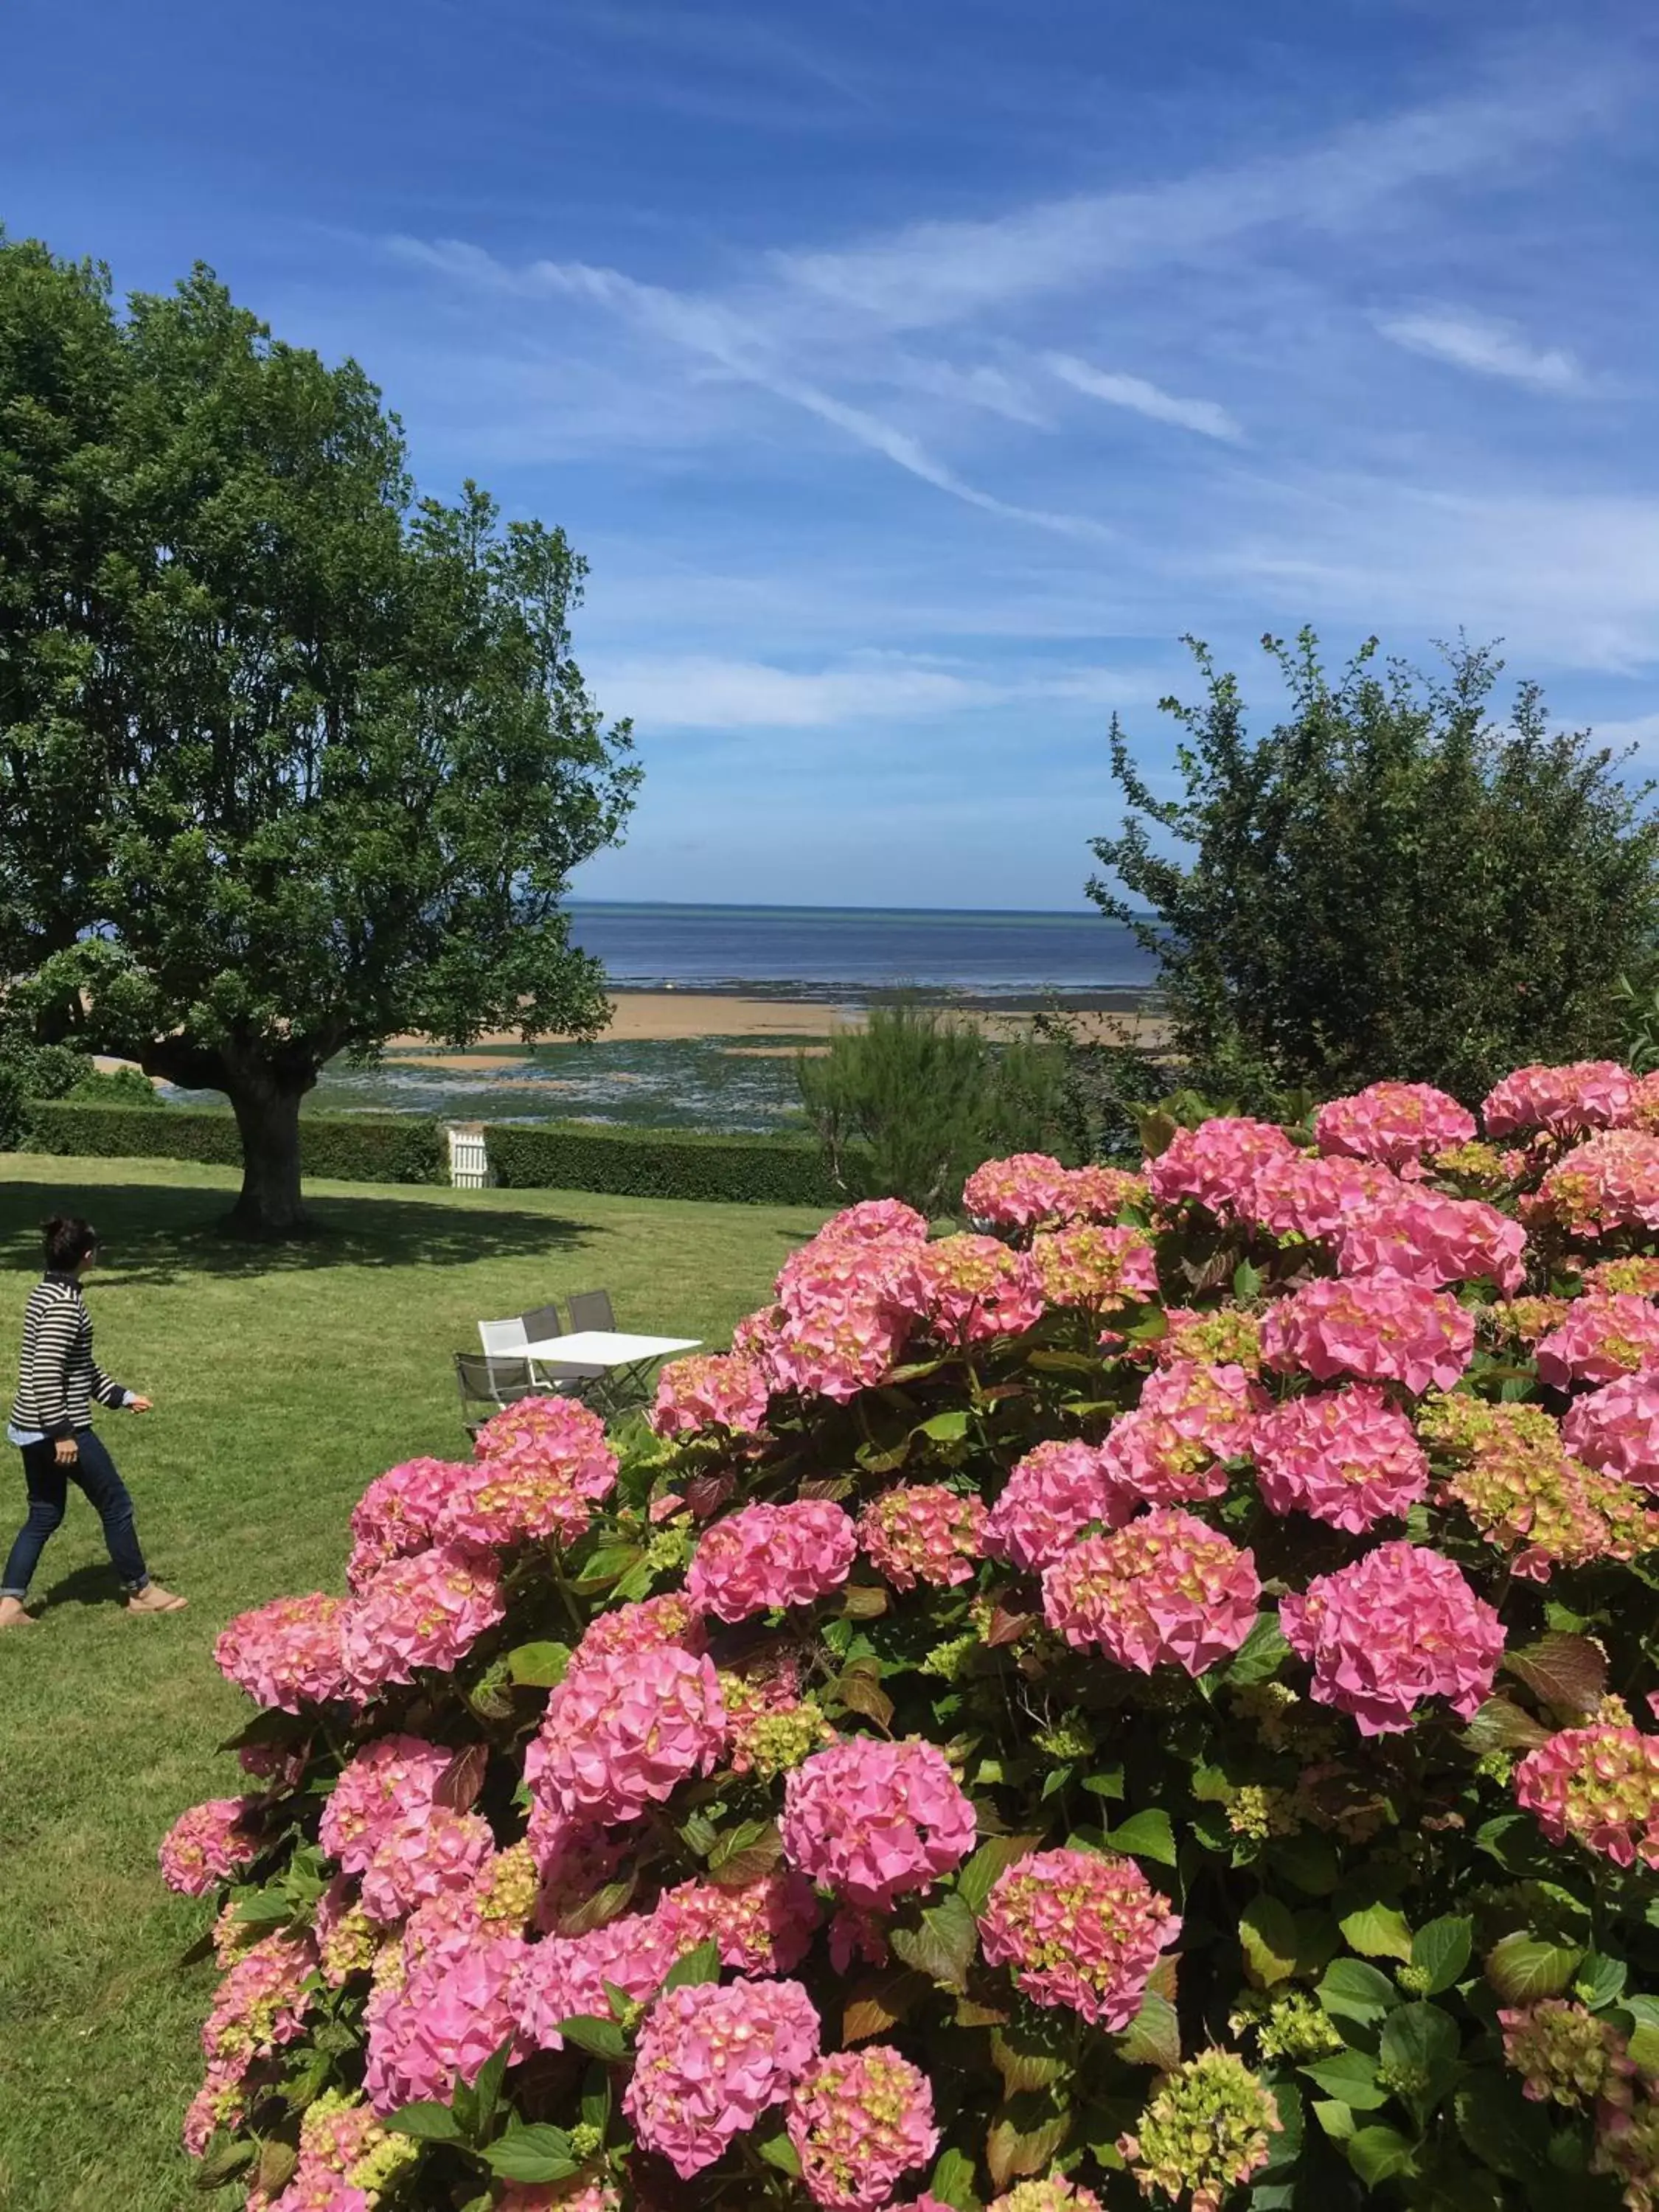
<point>469,1158</point>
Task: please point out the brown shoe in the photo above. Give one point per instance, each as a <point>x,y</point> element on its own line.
<point>13,1615</point>
<point>154,1599</point>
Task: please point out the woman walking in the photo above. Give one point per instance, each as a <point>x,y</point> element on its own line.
<point>52,1424</point>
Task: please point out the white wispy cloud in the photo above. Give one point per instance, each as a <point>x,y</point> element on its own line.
<point>701,692</point>
<point>719,335</point>
<point>1206,416</point>
<point>932,273</point>
<point>1487,347</point>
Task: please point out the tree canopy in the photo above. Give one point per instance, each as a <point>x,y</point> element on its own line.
<point>1388,883</point>
<point>291,760</point>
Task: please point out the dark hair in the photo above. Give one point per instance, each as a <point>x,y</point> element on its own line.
<point>69,1239</point>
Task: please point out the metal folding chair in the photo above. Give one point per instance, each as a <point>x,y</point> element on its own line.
<point>502,1339</point>
<point>623,1386</point>
<point>566,1376</point>
<point>489,1386</point>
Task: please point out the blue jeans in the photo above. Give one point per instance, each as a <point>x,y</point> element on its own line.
<point>47,1483</point>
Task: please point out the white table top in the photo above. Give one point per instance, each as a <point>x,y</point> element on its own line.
<point>605,1347</point>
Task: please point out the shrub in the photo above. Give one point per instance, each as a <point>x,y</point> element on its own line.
<point>1385,885</point>
<point>349,1148</point>
<point>659,1164</point>
<point>1258,1803</point>
<point>117,1086</point>
<point>906,1106</point>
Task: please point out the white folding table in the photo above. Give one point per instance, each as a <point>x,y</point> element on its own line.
<point>618,1352</point>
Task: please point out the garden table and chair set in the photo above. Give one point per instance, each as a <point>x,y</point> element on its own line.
<point>533,1354</point>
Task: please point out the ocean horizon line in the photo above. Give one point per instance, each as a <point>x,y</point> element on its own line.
<point>765,906</point>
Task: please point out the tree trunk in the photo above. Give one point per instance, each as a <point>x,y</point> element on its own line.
<point>270,1206</point>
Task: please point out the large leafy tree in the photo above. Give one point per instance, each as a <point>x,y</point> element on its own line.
<point>290,761</point>
<point>1388,883</point>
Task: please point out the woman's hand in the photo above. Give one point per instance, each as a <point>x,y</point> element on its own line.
<point>66,1452</point>
<point>139,1405</point>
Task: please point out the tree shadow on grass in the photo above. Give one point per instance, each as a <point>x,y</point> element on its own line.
<point>154,1233</point>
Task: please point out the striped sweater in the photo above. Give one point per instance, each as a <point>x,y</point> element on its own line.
<point>59,1378</point>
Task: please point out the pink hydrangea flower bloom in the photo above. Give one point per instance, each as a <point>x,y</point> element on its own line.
<point>1102,1267</point>
<point>545,1489</point>
<point>768,1555</point>
<point>1148,1461</point>
<point>261,2004</point>
<point>398,1514</point>
<point>642,1625</point>
<point>1347,1457</point>
<point>766,1927</point>
<point>968,1289</point>
<point>1424,1238</point>
<point>860,2120</point>
<point>923,1532</point>
<point>1050,1497</point>
<point>1098,1193</point>
<point>1395,1628</point>
<point>1598,1787</point>
<point>1079,1930</point>
<point>556,1425</point>
<point>389,1781</point>
<point>1165,1590</point>
<point>874,1821</point>
<point>445,2019</point>
<point>426,1611</point>
<point>872,1221</point>
<point>1211,1404</point>
<point>221,2102</point>
<point>1374,1327</point>
<point>831,1272</point>
<point>565,1977</point>
<point>1617,1427</point>
<point>622,1733</point>
<point>1017,1192</point>
<point>1220,1336</point>
<point>715,1390</point>
<point>1216,1164</point>
<point>1292,1195</point>
<point>1601,1340</point>
<point>207,1846</point>
<point>710,2061</point>
<point>839,1347</point>
<point>431,1850</point>
<point>286,1655</point>
<point>1397,1123</point>
<point>1610,1183</point>
<point>1585,1094</point>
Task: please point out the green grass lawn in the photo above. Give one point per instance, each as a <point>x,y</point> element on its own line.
<point>283,1380</point>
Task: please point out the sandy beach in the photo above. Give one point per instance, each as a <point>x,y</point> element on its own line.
<point>657,1016</point>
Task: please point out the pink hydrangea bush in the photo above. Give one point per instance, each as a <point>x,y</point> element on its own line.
<point>978,1743</point>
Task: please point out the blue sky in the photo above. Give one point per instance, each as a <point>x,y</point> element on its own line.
<point>913,375</point>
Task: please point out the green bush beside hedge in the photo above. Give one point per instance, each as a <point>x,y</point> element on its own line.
<point>350,1149</point>
<point>660,1163</point>
<point>559,1156</point>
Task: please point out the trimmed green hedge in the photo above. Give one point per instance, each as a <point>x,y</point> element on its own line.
<point>659,1164</point>
<point>349,1148</point>
<point>558,1156</point>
